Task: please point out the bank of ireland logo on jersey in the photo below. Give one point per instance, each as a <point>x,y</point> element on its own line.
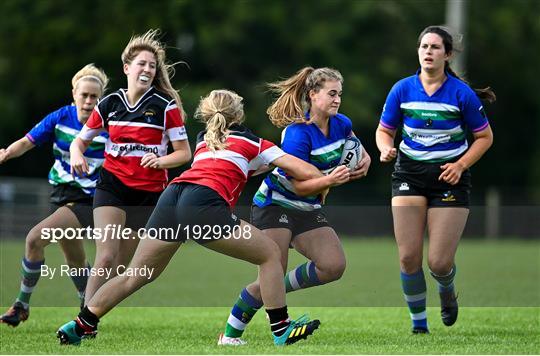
<point>404,186</point>
<point>283,219</point>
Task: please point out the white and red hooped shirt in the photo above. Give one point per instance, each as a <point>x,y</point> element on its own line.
<point>227,171</point>
<point>147,126</point>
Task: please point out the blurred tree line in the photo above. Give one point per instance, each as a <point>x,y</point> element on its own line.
<point>243,44</point>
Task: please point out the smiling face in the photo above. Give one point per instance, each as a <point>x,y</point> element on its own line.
<point>328,99</point>
<point>432,53</point>
<point>85,97</point>
<point>141,72</point>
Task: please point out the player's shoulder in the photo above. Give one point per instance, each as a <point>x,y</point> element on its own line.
<point>160,96</point>
<point>342,119</point>
<point>63,114</point>
<point>241,131</point>
<point>405,83</point>
<point>460,87</point>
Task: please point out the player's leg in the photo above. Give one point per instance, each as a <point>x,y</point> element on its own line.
<point>152,255</point>
<point>409,215</point>
<point>73,249</point>
<point>250,301</point>
<point>34,258</point>
<point>108,220</point>
<point>326,259</point>
<point>445,227</point>
<point>262,251</point>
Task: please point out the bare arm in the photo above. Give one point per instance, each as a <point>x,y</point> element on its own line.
<point>180,155</point>
<point>78,163</point>
<point>482,142</point>
<point>16,149</point>
<point>318,185</point>
<point>297,168</point>
<point>385,143</point>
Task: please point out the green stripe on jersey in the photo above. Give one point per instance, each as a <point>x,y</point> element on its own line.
<point>327,153</point>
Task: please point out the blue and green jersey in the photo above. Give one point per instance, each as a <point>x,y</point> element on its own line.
<point>433,127</point>
<point>61,127</point>
<point>307,142</point>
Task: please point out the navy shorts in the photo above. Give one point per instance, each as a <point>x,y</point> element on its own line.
<point>75,200</point>
<point>191,211</point>
<point>415,178</point>
<point>297,221</point>
<point>138,204</point>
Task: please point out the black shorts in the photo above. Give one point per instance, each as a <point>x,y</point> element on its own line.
<point>417,178</point>
<point>191,211</point>
<point>75,200</point>
<point>138,204</point>
<point>297,221</point>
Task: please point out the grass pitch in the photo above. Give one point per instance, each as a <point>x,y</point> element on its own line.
<point>185,309</point>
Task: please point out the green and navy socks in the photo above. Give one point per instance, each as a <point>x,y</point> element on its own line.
<point>242,311</point>
<point>31,271</point>
<point>414,290</point>
<point>303,276</point>
<point>446,283</point>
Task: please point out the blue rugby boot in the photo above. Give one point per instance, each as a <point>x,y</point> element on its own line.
<point>298,329</point>
<point>67,334</point>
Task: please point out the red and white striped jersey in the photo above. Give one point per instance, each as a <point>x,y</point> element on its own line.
<point>148,126</point>
<point>227,171</point>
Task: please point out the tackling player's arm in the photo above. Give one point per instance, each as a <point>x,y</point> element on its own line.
<point>318,185</point>
<point>296,167</point>
<point>16,149</point>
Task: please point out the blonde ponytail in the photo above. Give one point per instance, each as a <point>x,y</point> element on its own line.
<point>218,111</point>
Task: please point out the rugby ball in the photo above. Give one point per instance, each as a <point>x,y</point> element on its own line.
<point>352,152</point>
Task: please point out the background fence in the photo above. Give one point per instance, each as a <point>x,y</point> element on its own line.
<point>353,209</point>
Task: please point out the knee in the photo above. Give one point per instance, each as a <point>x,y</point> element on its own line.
<point>410,263</point>
<point>272,253</point>
<point>106,260</point>
<point>34,240</point>
<point>440,266</point>
<point>333,271</point>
